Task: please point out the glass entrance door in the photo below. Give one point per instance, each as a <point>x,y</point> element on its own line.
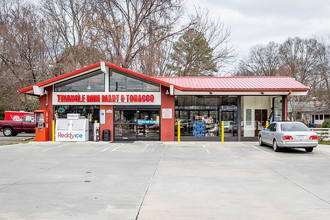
<point>148,125</point>
<point>125,125</point>
<point>228,121</point>
<point>133,125</point>
<point>228,114</point>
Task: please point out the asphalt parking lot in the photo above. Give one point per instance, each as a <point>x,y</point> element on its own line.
<point>14,139</point>
<point>159,180</point>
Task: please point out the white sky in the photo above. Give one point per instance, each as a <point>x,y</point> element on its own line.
<point>261,21</point>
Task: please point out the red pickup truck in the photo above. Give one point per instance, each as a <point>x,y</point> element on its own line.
<point>12,128</point>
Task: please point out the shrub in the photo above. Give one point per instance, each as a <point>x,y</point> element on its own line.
<point>326,123</point>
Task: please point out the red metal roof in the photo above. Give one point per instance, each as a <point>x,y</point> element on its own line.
<point>196,83</point>
<point>239,83</point>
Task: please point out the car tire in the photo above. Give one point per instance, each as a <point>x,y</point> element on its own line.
<point>261,143</point>
<point>309,149</point>
<point>7,131</point>
<point>275,146</point>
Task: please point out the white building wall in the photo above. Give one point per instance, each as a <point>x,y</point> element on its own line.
<point>253,103</point>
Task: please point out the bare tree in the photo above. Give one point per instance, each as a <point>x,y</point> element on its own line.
<point>300,58</point>
<point>217,35</point>
<point>154,59</point>
<point>41,41</point>
<point>322,83</point>
<point>131,28</point>
<point>262,61</point>
<point>22,52</point>
<point>71,38</point>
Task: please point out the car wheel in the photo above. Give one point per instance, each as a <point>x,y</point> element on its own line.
<point>7,131</point>
<point>275,146</point>
<point>260,142</point>
<point>309,149</point>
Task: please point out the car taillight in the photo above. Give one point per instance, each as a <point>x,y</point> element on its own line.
<point>313,137</point>
<point>287,137</point>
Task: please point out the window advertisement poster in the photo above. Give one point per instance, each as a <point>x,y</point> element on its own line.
<point>167,113</point>
<point>102,116</point>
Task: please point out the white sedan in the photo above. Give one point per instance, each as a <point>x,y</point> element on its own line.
<point>288,134</point>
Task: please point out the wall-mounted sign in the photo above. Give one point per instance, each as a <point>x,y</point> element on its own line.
<point>102,116</point>
<point>109,111</point>
<point>167,113</point>
<point>113,98</point>
<point>105,98</point>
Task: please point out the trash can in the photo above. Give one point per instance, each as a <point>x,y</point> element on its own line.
<point>106,135</point>
<point>313,125</point>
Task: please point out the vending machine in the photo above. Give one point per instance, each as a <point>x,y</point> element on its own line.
<point>42,121</point>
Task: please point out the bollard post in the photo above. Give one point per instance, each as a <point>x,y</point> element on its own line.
<point>53,130</point>
<point>222,132</point>
<point>179,132</point>
<point>267,123</point>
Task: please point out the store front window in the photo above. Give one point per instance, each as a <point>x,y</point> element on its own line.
<point>200,116</point>
<point>277,109</point>
<point>123,83</point>
<point>91,82</point>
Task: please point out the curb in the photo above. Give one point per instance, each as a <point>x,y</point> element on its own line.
<point>26,139</point>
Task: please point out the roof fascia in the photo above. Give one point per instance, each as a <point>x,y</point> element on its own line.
<point>245,92</point>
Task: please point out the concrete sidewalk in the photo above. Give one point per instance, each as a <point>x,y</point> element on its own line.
<point>162,180</point>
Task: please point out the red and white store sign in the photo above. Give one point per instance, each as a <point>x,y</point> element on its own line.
<point>112,98</point>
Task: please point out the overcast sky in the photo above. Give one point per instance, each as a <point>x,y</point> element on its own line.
<point>261,21</point>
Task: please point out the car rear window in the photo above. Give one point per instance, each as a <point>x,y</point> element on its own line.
<point>294,127</point>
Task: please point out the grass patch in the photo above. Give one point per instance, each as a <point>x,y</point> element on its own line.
<point>325,142</point>
<point>21,142</point>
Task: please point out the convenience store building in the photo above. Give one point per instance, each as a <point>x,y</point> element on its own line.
<point>135,106</point>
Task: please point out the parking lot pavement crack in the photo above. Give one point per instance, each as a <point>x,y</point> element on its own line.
<point>150,182</point>
<point>301,187</point>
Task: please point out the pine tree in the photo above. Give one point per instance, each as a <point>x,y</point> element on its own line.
<point>192,56</point>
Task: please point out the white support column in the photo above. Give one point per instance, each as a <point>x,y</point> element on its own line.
<point>106,71</point>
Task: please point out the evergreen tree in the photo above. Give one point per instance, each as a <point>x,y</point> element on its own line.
<point>192,56</point>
